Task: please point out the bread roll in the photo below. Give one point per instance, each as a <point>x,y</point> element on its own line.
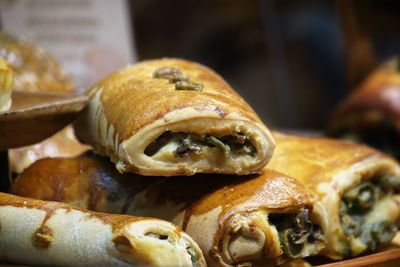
<point>261,219</point>
<point>174,117</point>
<point>358,186</point>
<point>371,114</point>
<point>55,234</point>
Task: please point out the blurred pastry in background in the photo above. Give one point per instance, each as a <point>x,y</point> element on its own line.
<point>371,114</point>
<point>6,85</point>
<point>171,117</point>
<point>35,70</point>
<point>357,185</point>
<point>260,219</point>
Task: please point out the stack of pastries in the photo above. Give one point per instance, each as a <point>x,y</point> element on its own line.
<point>172,140</point>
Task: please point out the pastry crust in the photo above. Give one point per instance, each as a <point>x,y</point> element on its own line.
<point>132,108</point>
<point>55,234</point>
<point>371,114</point>
<point>230,217</point>
<point>330,168</point>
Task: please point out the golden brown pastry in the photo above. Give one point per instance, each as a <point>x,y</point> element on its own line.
<point>371,114</point>
<point>55,234</point>
<point>174,117</point>
<point>6,85</point>
<point>35,70</point>
<point>358,186</point>
<point>258,220</point>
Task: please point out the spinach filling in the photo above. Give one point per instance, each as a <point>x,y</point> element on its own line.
<point>356,204</point>
<point>296,231</point>
<point>237,143</point>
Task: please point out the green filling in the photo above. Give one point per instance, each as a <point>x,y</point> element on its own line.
<point>190,143</point>
<point>296,231</point>
<point>356,203</point>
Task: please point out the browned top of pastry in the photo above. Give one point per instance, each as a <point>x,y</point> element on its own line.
<point>313,160</point>
<point>50,207</point>
<point>137,96</point>
<point>381,91</point>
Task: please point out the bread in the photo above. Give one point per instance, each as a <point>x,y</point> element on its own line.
<point>371,113</point>
<point>6,85</point>
<point>234,219</point>
<point>55,234</point>
<point>358,186</point>
<point>174,117</point>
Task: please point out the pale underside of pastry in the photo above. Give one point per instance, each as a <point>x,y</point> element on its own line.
<point>54,234</point>
<point>174,117</point>
<point>262,219</point>
<point>358,186</point>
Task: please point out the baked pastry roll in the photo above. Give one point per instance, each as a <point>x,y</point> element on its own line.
<point>55,234</point>
<point>174,117</point>
<point>371,114</point>
<point>258,220</point>
<point>6,85</point>
<point>358,186</point>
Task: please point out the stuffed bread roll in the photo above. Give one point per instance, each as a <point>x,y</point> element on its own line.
<point>6,85</point>
<point>174,117</point>
<point>258,220</point>
<point>358,186</point>
<point>55,234</point>
<point>371,114</point>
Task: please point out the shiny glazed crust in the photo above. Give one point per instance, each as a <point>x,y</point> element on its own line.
<point>376,98</point>
<point>328,167</point>
<point>131,108</point>
<point>55,234</point>
<point>226,215</point>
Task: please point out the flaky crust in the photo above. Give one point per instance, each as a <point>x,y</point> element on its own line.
<point>55,234</point>
<point>328,167</point>
<point>214,210</point>
<point>131,109</point>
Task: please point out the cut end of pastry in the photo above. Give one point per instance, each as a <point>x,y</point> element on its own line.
<point>157,243</point>
<point>6,85</point>
<point>261,237</point>
<point>210,146</point>
<point>172,117</point>
<point>370,211</point>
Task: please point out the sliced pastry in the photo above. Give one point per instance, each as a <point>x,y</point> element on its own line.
<point>174,117</point>
<point>46,233</point>
<point>358,186</point>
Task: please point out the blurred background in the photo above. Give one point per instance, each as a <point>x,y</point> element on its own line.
<point>289,59</point>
